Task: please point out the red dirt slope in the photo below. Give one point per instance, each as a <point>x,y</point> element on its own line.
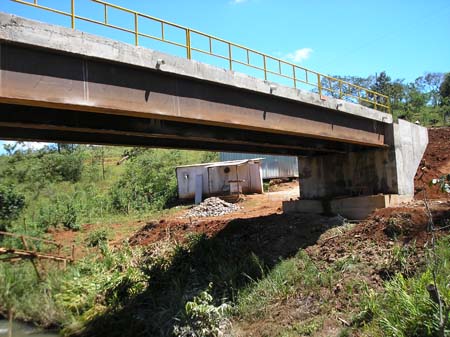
<point>435,163</point>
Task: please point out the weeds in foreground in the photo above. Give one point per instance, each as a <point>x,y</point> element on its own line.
<point>405,308</point>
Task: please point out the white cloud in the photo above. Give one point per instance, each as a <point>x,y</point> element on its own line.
<point>238,1</point>
<point>299,55</point>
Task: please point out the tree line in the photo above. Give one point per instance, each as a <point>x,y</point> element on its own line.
<point>425,100</point>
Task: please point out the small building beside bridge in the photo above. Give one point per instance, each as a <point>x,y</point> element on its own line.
<point>220,178</point>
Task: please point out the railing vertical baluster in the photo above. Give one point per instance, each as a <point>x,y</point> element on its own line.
<point>294,76</point>
<point>162,31</point>
<point>340,89</point>
<point>319,85</point>
<point>265,67</point>
<point>106,14</point>
<point>73,13</point>
<point>230,56</point>
<point>248,57</point>
<point>136,29</point>
<point>188,43</point>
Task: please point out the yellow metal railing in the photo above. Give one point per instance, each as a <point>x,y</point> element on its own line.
<point>325,85</point>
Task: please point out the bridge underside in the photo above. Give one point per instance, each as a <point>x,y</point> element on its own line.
<point>55,125</point>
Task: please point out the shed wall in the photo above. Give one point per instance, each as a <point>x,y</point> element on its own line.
<point>186,181</point>
<point>272,166</point>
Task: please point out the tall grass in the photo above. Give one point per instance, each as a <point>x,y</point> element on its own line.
<point>405,307</point>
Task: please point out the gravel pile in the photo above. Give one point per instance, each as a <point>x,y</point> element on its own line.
<point>212,207</point>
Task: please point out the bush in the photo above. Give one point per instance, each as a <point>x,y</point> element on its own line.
<point>59,211</point>
<point>149,182</point>
<point>11,204</point>
<point>203,318</point>
<point>96,238</point>
<point>63,167</point>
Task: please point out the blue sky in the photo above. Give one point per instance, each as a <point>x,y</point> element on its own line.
<point>345,37</point>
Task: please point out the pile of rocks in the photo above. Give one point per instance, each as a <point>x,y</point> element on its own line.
<point>212,207</point>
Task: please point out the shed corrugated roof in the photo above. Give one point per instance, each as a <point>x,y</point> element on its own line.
<point>223,163</point>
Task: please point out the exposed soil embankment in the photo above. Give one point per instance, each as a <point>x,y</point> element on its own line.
<point>435,163</point>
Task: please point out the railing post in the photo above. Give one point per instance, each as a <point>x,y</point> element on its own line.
<point>294,76</point>
<point>340,89</point>
<point>230,56</point>
<point>73,13</point>
<point>106,14</point>
<point>188,43</point>
<point>265,67</point>
<point>319,85</point>
<point>136,29</point>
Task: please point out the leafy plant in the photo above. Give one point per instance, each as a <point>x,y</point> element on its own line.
<point>96,238</point>
<point>203,318</point>
<point>11,204</point>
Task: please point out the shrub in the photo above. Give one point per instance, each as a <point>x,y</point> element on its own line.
<point>96,238</point>
<point>203,318</point>
<point>149,182</point>
<point>59,211</point>
<point>11,204</point>
<point>63,167</point>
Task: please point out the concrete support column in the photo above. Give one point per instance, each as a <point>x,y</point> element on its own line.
<point>351,174</point>
<point>370,172</point>
<point>355,183</point>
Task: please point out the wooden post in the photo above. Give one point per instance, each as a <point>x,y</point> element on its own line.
<point>25,245</point>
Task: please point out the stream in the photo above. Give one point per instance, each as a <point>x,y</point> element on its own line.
<point>22,330</point>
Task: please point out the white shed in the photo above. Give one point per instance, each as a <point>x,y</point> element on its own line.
<point>221,178</point>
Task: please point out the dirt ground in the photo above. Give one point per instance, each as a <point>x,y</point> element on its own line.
<point>435,163</point>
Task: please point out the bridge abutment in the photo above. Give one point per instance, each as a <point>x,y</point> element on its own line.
<point>353,184</point>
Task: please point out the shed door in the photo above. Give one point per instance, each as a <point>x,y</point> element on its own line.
<point>255,184</point>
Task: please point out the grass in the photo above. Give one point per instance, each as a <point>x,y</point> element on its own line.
<point>278,285</point>
<point>405,307</point>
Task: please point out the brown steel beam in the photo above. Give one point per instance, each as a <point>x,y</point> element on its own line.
<point>73,137</point>
<point>66,120</point>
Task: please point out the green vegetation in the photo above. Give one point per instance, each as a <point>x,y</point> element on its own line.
<point>11,204</point>
<point>66,185</point>
<point>426,100</point>
<point>407,306</point>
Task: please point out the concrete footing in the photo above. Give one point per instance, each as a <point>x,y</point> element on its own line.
<point>355,208</point>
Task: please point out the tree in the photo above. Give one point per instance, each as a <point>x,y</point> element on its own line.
<point>430,84</point>
<point>382,84</point>
<point>11,204</point>
<point>445,90</point>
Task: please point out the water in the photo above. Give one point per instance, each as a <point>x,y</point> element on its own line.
<point>23,330</point>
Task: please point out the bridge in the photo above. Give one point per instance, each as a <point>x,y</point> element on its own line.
<point>60,84</point>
